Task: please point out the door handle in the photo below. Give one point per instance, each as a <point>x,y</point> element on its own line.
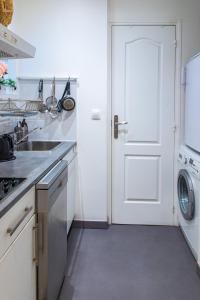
<point>35,244</point>
<point>116,126</point>
<point>121,123</point>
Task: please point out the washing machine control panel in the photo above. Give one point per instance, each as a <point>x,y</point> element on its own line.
<point>194,167</point>
<point>183,159</point>
<point>189,163</point>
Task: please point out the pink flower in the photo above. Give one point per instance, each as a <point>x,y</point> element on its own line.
<point>3,69</point>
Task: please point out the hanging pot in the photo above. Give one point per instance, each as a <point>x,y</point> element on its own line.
<point>67,102</point>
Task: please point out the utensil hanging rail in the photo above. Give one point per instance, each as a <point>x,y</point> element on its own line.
<point>75,79</point>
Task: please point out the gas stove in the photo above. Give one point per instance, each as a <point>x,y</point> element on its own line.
<point>7,185</point>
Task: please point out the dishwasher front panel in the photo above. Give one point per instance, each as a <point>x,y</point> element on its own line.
<point>52,237</point>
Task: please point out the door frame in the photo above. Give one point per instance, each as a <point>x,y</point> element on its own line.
<point>177,106</point>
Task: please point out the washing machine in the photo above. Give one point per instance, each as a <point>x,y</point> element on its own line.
<point>188,186</point>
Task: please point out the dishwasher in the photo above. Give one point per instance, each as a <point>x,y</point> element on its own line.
<point>51,205</point>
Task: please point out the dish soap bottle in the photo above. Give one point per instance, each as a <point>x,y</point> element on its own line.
<point>18,132</point>
<point>24,126</point>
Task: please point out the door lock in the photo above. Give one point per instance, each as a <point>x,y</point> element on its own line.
<point>116,126</point>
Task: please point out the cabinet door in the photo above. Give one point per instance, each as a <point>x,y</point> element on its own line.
<point>17,269</point>
<point>24,207</point>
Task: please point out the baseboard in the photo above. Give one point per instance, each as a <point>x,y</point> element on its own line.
<point>90,224</point>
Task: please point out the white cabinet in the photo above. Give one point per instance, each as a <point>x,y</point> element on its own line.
<point>17,264</point>
<point>17,269</point>
<point>71,157</point>
<point>22,211</point>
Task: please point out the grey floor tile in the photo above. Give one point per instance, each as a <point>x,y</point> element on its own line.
<point>130,263</point>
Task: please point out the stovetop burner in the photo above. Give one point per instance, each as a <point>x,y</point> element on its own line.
<point>7,185</point>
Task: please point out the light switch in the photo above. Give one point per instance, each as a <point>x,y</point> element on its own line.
<point>96,114</point>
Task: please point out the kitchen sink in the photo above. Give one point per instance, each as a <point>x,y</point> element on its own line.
<point>37,146</point>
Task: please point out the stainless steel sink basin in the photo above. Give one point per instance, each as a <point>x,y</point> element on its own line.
<point>37,146</point>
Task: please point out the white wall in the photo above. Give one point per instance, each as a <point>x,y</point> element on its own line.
<point>71,39</point>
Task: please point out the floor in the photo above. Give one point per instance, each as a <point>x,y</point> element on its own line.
<point>130,263</point>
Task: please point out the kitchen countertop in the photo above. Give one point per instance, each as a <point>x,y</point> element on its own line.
<point>32,165</point>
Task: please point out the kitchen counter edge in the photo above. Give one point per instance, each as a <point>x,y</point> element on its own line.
<point>58,154</point>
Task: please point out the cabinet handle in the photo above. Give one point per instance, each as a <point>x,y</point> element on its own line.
<point>11,230</point>
<point>41,232</point>
<point>35,244</point>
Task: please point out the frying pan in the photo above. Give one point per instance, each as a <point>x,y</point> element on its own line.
<point>67,102</point>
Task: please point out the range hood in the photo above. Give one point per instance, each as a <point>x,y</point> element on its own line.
<point>14,47</point>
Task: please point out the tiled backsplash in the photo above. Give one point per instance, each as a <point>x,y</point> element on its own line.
<point>62,128</point>
<point>6,125</point>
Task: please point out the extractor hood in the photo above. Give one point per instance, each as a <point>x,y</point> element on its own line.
<point>14,47</point>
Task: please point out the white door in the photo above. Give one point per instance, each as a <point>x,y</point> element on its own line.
<point>143,76</point>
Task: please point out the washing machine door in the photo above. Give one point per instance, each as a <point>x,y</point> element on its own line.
<point>186,195</point>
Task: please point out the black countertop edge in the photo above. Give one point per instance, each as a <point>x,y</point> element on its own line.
<point>36,175</point>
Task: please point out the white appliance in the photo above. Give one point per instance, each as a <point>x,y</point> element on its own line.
<point>12,46</point>
<point>188,186</point>
<point>192,103</point>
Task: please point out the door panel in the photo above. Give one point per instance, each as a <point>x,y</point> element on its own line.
<point>143,75</point>
<point>17,269</point>
<point>142,90</point>
<point>134,182</point>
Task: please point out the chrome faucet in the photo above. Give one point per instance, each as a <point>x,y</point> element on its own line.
<point>26,136</point>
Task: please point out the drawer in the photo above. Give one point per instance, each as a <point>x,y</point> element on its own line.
<point>15,219</point>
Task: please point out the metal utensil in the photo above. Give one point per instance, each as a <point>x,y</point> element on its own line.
<point>51,101</point>
<point>42,105</point>
<point>40,89</point>
<point>27,135</point>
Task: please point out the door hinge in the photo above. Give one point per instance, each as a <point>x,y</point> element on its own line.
<point>175,43</point>
<point>174,128</point>
<point>183,76</point>
<point>173,210</point>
